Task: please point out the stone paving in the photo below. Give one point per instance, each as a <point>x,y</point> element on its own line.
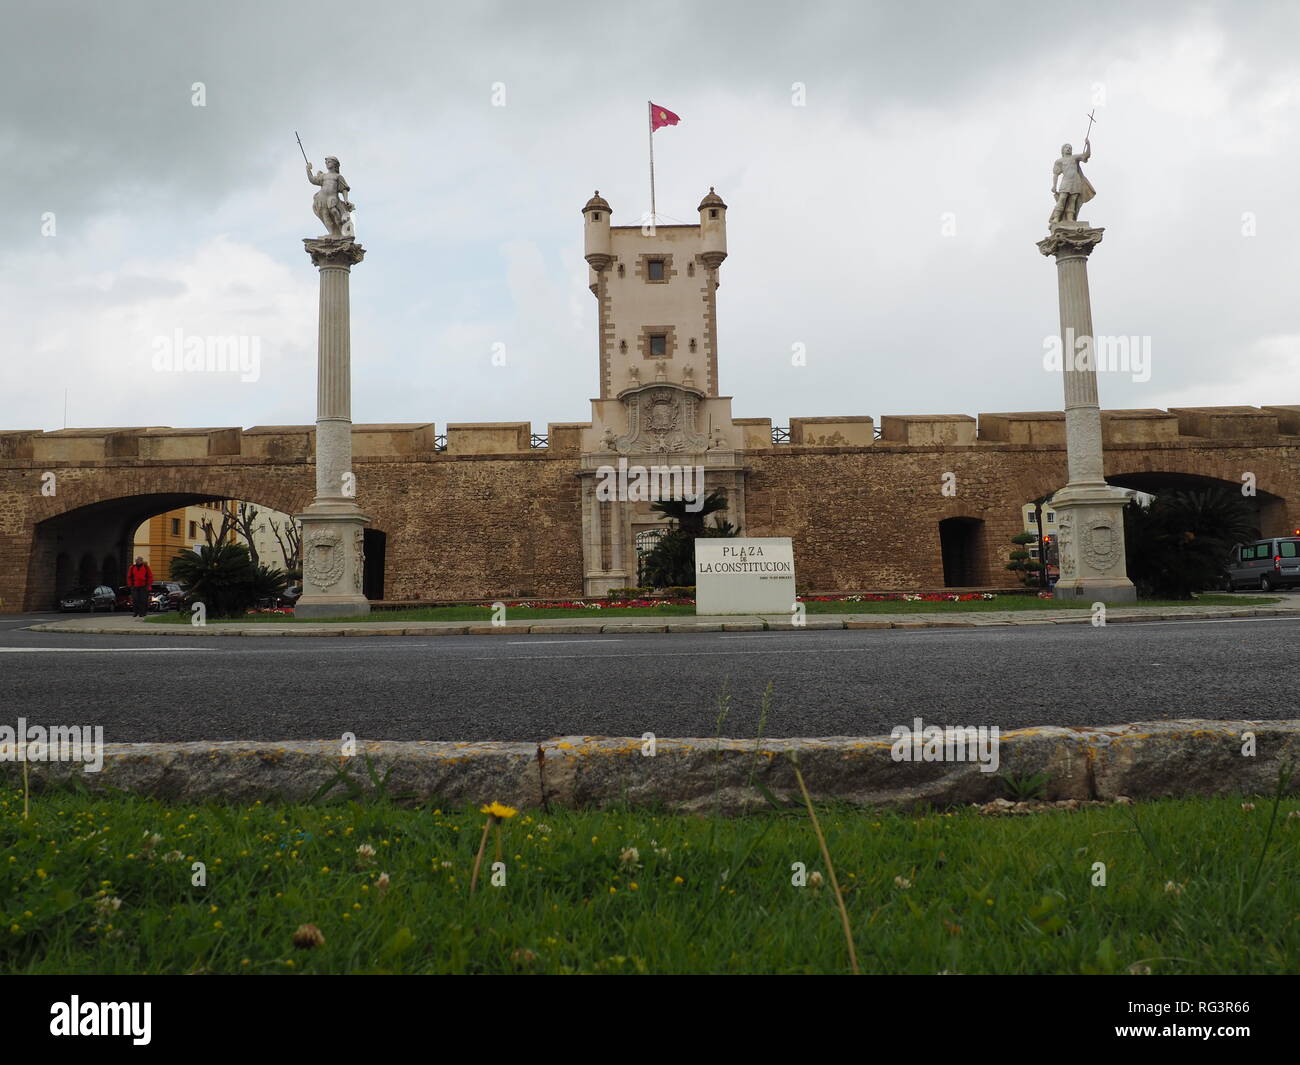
<point>588,625</point>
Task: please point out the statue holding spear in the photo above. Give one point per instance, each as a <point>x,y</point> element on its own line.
<point>330,202</point>
<point>1069,185</point>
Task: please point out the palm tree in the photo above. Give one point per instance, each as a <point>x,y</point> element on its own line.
<point>1179,544</point>
<point>221,576</point>
<point>691,521</point>
<point>671,563</point>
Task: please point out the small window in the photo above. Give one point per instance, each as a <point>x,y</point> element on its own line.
<point>595,216</point>
<point>692,345</point>
<point>655,270</point>
<point>193,529</point>
<point>690,269</point>
<point>176,526</point>
<point>658,345</point>
<point>620,269</point>
<point>713,212</point>
<point>1050,516</point>
<point>622,347</point>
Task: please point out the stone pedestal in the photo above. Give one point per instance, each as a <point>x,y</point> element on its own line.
<point>1089,512</point>
<point>333,537</point>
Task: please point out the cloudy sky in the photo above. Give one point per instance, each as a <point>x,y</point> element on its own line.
<point>883,215</point>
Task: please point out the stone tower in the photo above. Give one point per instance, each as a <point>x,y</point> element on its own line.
<point>659,401</point>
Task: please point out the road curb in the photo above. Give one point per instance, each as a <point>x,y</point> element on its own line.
<point>1145,760</point>
<point>629,625</point>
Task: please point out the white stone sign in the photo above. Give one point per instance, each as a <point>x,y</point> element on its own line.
<point>751,575</point>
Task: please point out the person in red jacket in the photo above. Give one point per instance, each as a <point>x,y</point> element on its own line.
<point>139,578</point>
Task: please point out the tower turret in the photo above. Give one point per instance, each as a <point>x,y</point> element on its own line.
<point>596,232</point>
<point>713,229</point>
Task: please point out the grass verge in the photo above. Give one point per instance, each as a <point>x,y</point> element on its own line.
<point>484,614</point>
<point>95,885</point>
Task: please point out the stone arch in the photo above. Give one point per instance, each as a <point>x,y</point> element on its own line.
<point>1270,509</point>
<point>98,532</point>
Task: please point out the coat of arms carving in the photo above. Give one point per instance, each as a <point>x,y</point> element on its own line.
<point>661,419</point>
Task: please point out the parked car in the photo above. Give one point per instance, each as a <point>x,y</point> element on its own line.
<point>166,595</point>
<point>1266,564</point>
<point>290,595</point>
<point>89,597</point>
<point>123,598</point>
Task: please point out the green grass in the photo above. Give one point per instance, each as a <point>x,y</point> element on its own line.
<point>484,614</point>
<point>986,894</point>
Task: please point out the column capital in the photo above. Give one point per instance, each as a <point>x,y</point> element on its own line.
<point>333,251</point>
<point>1070,240</point>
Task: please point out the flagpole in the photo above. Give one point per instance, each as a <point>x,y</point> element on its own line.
<point>649,114</point>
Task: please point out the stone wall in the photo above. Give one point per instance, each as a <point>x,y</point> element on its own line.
<point>491,516</point>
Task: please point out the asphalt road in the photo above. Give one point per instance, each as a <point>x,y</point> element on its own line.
<point>828,683</point>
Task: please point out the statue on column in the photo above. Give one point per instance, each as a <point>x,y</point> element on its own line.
<point>1069,185</point>
<point>330,203</point>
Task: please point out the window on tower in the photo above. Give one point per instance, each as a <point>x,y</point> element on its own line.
<point>655,270</point>
<point>658,345</point>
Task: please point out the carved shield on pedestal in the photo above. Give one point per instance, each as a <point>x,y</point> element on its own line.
<point>1101,546</point>
<point>322,559</point>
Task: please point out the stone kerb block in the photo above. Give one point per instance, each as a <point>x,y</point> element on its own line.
<point>1043,428</point>
<point>923,429</point>
<point>848,431</point>
<point>1226,423</point>
<point>488,438</point>
<point>1124,427</point>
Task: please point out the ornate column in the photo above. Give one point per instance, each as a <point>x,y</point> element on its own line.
<point>333,555</point>
<point>1089,512</point>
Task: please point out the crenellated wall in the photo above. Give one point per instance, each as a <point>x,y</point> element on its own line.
<point>493,516</point>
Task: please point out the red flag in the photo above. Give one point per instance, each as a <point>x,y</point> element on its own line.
<point>661,116</point>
